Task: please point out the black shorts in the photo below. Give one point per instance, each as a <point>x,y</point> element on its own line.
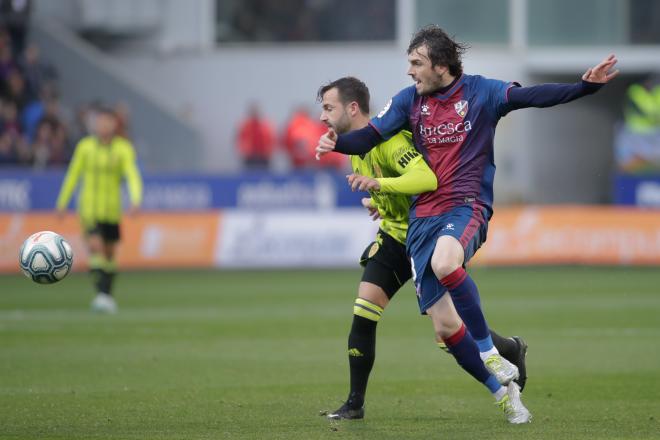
<point>109,232</point>
<point>386,264</point>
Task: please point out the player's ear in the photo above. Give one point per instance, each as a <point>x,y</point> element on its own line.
<point>439,69</point>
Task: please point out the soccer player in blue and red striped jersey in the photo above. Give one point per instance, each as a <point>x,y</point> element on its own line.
<point>391,173</point>
<point>453,117</point>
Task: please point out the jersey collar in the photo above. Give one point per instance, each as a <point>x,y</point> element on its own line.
<point>457,83</point>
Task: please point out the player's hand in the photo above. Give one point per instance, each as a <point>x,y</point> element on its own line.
<point>133,211</point>
<point>373,210</point>
<point>60,213</point>
<point>601,73</point>
<point>326,143</point>
<point>362,183</point>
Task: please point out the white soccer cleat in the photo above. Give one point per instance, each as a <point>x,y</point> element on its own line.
<point>104,303</point>
<point>503,370</point>
<point>512,405</point>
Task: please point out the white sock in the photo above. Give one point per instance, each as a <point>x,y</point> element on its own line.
<point>499,393</point>
<point>485,354</point>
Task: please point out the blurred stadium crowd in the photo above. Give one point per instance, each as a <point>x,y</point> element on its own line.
<point>39,127</point>
<point>36,130</point>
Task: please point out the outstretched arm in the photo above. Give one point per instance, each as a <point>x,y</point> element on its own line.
<point>355,142</point>
<point>392,119</point>
<point>546,95</point>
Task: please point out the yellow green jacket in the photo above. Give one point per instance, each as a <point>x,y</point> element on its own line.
<point>101,169</point>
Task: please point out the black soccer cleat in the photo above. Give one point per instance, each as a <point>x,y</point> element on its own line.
<point>346,412</point>
<point>520,361</point>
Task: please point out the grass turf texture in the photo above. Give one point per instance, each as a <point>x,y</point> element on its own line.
<point>257,355</point>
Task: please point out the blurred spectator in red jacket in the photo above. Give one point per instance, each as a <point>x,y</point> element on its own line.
<point>255,139</point>
<point>299,133</point>
<point>301,136</point>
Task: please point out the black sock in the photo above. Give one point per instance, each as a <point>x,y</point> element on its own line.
<point>105,282</point>
<point>97,277</point>
<point>361,356</point>
<point>506,346</point>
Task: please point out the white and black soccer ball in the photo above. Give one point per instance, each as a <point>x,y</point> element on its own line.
<point>45,257</point>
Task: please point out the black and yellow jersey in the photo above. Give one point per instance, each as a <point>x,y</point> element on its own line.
<point>101,168</point>
<point>401,172</point>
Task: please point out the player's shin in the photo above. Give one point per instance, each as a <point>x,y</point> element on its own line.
<point>96,270</point>
<point>464,349</point>
<point>108,276</point>
<point>362,347</point>
<point>465,295</point>
<point>103,273</point>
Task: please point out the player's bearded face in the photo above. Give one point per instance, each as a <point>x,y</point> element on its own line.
<point>342,123</point>
<point>334,113</point>
<point>427,77</point>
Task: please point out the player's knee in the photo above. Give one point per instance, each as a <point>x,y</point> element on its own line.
<point>373,293</point>
<point>443,266</point>
<point>109,251</point>
<point>447,256</point>
<point>95,245</point>
<point>367,309</point>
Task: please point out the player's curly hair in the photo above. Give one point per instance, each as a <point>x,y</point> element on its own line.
<point>443,50</point>
<point>350,89</point>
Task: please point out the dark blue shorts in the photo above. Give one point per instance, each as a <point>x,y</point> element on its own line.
<point>465,223</point>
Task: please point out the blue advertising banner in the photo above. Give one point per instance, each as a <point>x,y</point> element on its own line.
<point>637,190</point>
<point>37,191</point>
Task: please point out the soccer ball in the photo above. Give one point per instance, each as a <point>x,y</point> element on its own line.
<point>45,257</point>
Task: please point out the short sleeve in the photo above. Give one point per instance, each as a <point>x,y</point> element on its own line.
<point>395,116</point>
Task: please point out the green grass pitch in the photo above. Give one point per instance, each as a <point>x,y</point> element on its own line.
<point>257,355</point>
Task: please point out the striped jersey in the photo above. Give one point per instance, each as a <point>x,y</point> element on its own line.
<point>101,168</point>
<point>454,131</point>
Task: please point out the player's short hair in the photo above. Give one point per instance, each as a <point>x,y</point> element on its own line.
<point>443,50</point>
<point>104,109</point>
<point>350,89</point>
